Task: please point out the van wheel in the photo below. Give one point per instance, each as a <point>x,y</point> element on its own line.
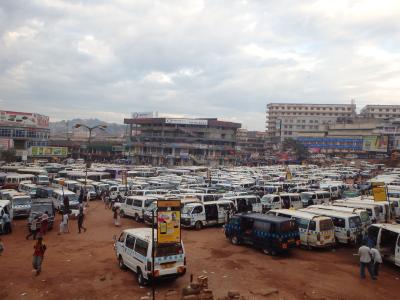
<point>235,240</point>
<point>121,263</point>
<point>137,219</point>
<point>198,225</point>
<point>269,252</point>
<point>122,214</point>
<point>140,279</point>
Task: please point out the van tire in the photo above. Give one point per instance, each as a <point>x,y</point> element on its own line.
<point>269,251</point>
<point>140,279</point>
<point>121,263</point>
<point>235,240</point>
<point>198,225</point>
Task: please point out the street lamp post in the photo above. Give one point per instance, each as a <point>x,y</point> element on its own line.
<point>88,161</point>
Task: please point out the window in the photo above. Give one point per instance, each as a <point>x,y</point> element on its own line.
<point>129,201</point>
<point>121,237</point>
<point>130,242</point>
<point>197,210</point>
<point>312,225</point>
<point>302,223</point>
<point>339,222</point>
<point>141,247</point>
<point>262,226</point>
<point>137,203</point>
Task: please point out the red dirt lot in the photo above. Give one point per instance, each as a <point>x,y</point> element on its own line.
<point>84,266</point>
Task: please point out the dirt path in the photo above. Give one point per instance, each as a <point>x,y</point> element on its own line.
<point>83,266</point>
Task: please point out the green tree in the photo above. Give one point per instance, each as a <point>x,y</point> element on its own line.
<point>8,155</point>
<point>295,146</point>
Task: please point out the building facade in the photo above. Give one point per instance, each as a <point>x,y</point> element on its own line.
<point>288,120</point>
<point>174,141</point>
<point>250,144</point>
<point>22,130</point>
<point>381,111</point>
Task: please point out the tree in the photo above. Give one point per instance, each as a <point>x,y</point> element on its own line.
<point>8,155</point>
<point>298,148</point>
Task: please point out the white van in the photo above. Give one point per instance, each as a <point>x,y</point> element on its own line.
<point>283,200</point>
<point>6,207</point>
<point>199,215</point>
<point>348,227</point>
<point>133,249</point>
<point>28,188</point>
<point>116,190</point>
<point>21,204</point>
<point>387,237</point>
<point>383,207</point>
<point>362,213</point>
<point>207,197</point>
<point>315,230</point>
<point>315,197</point>
<point>58,200</point>
<point>135,206</point>
<point>372,210</point>
<point>245,203</point>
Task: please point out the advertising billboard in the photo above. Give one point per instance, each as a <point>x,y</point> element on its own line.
<point>168,221</point>
<point>48,151</point>
<point>187,122</point>
<point>23,119</point>
<point>375,143</point>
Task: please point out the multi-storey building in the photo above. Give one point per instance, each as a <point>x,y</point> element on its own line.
<point>174,141</point>
<point>21,130</point>
<point>381,111</point>
<point>284,120</point>
<point>250,144</point>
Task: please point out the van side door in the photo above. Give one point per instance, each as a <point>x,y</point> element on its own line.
<point>127,251</point>
<point>211,212</point>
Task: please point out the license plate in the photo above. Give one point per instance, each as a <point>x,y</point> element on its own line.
<point>167,266</point>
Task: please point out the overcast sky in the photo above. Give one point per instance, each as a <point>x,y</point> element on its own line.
<point>225,59</point>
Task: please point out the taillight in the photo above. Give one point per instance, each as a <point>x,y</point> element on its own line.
<point>318,236</point>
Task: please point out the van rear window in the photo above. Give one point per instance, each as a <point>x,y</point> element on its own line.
<point>288,226</point>
<point>325,225</point>
<point>168,250</point>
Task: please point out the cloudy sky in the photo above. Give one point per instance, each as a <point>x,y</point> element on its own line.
<point>225,59</point>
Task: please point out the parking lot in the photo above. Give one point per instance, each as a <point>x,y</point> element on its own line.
<point>83,266</point>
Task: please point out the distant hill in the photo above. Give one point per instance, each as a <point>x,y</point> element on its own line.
<point>60,128</point>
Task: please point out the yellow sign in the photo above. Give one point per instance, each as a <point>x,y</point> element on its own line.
<point>168,221</point>
<point>376,184</point>
<point>379,193</point>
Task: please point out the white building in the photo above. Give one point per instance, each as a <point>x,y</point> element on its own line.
<point>295,119</point>
<point>381,111</point>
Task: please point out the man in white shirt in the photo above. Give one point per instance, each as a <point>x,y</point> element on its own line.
<point>365,261</point>
<point>377,260</point>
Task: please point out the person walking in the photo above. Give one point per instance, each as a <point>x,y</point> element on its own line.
<point>377,260</point>
<point>81,217</point>
<point>365,261</point>
<point>7,223</point>
<point>87,198</point>
<point>64,224</point>
<point>117,217</point>
<point>33,228</point>
<point>38,254</point>
<point>44,223</point>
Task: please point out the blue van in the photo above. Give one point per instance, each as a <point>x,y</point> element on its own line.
<point>271,234</point>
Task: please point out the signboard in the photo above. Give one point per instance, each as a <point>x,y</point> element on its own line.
<point>143,115</point>
<point>375,143</point>
<point>168,221</point>
<point>187,122</point>
<point>48,151</point>
<point>23,119</point>
<point>379,193</point>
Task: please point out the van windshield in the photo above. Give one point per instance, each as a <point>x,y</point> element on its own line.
<point>325,225</point>
<point>21,201</point>
<point>168,250</point>
<point>354,222</point>
<point>187,210</point>
<point>305,197</point>
<point>364,217</point>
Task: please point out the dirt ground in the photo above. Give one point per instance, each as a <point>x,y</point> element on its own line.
<point>83,266</point>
